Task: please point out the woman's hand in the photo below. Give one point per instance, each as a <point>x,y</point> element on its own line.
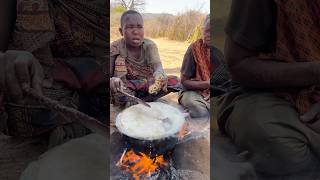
<point>116,84</point>
<point>19,70</point>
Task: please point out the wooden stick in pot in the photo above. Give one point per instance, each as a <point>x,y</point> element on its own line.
<point>135,98</point>
<point>88,121</point>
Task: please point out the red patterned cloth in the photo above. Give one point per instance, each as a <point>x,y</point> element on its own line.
<point>201,54</point>
<point>298,39</point>
<point>138,77</point>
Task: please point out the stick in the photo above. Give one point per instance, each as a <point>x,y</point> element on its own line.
<point>135,98</point>
<point>88,121</point>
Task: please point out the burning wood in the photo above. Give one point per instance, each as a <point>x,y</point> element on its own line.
<point>140,165</point>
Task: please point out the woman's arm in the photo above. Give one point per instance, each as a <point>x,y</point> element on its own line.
<point>194,85</point>
<point>248,69</point>
<point>158,69</point>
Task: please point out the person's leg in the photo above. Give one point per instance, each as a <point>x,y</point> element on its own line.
<point>194,103</point>
<point>268,127</point>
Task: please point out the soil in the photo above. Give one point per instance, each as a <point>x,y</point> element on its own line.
<point>16,154</point>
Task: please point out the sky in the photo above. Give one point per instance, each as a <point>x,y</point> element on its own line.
<point>175,6</point>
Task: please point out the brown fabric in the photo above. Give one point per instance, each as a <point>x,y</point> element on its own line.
<point>136,76</point>
<point>78,24</point>
<point>201,54</point>
<point>149,52</point>
<point>128,69</point>
<point>68,38</point>
<point>69,26</point>
<point>298,35</point>
<point>34,27</point>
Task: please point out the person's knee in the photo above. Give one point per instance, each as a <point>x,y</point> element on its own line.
<point>284,156</point>
<point>186,98</point>
<point>198,111</point>
<point>273,153</point>
<point>193,104</point>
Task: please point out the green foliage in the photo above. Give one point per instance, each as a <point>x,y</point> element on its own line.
<point>195,35</point>
<point>118,9</point>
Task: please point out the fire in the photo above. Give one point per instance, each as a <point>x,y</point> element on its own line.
<point>140,164</point>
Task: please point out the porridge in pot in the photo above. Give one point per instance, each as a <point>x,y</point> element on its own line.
<point>144,123</point>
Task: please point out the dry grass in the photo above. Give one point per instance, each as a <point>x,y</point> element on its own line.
<point>171,54</point>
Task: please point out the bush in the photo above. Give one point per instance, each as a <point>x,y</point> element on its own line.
<point>118,10</point>
<point>182,27</point>
<point>195,35</point>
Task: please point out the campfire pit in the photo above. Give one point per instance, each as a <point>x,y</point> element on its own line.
<point>127,162</point>
<point>138,158</point>
<point>153,161</point>
<point>141,165</point>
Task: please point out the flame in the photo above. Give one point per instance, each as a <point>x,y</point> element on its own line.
<point>140,164</point>
<point>183,131</point>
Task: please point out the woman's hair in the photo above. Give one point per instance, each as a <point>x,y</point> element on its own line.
<point>206,20</point>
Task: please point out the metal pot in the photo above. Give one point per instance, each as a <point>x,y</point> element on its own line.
<point>152,146</point>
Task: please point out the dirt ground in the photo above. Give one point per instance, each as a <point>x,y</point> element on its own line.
<point>16,154</point>
<point>171,54</point>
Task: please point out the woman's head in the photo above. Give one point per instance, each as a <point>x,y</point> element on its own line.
<point>132,28</point>
<point>206,31</point>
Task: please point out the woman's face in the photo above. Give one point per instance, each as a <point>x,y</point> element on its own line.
<point>132,30</point>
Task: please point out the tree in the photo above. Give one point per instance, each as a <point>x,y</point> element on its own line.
<point>118,9</point>
<point>137,5</point>
<point>195,35</point>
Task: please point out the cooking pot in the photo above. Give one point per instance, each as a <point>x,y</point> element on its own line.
<point>151,130</point>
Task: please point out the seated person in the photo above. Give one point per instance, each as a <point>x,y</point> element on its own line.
<point>195,75</point>
<point>273,112</point>
<point>135,63</point>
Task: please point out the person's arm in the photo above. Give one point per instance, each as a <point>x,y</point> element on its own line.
<point>193,84</point>
<point>19,70</point>
<point>112,61</point>
<point>7,18</point>
<point>158,69</point>
<point>188,71</point>
<point>154,59</point>
<point>249,70</point>
<point>116,83</point>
